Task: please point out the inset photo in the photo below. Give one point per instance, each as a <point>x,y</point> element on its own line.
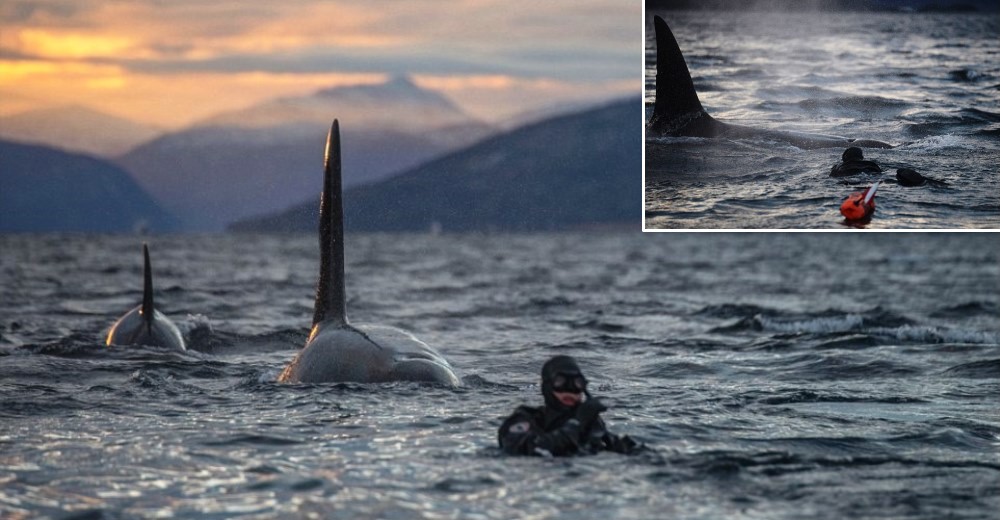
<point>821,115</point>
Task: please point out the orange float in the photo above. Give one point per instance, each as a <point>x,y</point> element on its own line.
<point>860,205</point>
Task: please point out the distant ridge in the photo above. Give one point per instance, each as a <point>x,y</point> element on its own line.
<point>76,128</point>
<point>48,190</point>
<point>397,104</point>
<point>572,171</point>
<point>261,159</point>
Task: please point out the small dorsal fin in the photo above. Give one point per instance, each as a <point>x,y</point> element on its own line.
<point>676,98</point>
<point>147,287</point>
<point>330,296</point>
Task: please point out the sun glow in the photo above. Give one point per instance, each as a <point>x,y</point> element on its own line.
<point>51,44</point>
<point>175,63</point>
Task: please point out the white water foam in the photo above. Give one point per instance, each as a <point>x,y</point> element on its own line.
<point>194,322</point>
<point>844,323</point>
<point>940,142</point>
<point>927,334</point>
<point>852,322</point>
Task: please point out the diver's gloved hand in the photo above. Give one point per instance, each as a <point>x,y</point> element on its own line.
<point>588,411</point>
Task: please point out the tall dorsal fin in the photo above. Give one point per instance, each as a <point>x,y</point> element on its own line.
<point>330,298</point>
<point>147,287</point>
<point>676,100</point>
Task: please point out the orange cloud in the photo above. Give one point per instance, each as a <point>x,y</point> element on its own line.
<point>485,81</point>
<point>324,24</point>
<point>15,70</point>
<point>51,44</point>
<point>492,60</point>
<point>25,71</point>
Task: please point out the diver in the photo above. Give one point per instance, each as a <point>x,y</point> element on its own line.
<point>568,424</point>
<point>853,163</point>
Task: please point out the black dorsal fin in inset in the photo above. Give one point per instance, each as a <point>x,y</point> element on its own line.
<point>677,102</point>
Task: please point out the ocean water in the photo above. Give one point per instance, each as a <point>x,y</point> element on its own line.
<point>929,83</point>
<point>774,376</point>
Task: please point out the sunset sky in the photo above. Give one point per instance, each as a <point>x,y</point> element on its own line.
<point>172,62</point>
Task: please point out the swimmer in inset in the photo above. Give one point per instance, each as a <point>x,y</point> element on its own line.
<point>854,163</point>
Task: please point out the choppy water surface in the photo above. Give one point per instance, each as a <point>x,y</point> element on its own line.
<point>927,82</point>
<point>776,376</point>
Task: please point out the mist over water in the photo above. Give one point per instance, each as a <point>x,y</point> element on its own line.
<point>926,82</point>
<point>775,376</point>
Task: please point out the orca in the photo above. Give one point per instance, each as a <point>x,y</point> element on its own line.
<point>677,110</point>
<point>336,350</point>
<point>144,325</point>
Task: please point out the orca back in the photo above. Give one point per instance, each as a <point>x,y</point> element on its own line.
<point>144,325</point>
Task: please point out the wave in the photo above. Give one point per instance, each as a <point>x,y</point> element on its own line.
<point>959,435</point>
<point>966,75</point>
<point>937,143</point>
<point>811,396</point>
<point>218,342</point>
<point>823,325</point>
<point>734,310</point>
<point>936,123</point>
<point>253,439</point>
<point>675,370</point>
<point>863,104</point>
<point>844,367</point>
<point>986,369</point>
<point>194,325</point>
<point>980,116</point>
<point>865,328</point>
<point>29,402</point>
<point>727,463</point>
<point>930,334</point>
<point>825,322</point>
<point>968,309</point>
<point>853,341</point>
<point>75,345</point>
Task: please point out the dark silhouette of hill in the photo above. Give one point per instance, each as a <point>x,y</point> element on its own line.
<point>43,190</point>
<point>571,171</point>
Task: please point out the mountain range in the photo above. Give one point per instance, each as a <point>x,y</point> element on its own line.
<point>263,158</point>
<point>47,190</point>
<point>76,129</point>
<point>572,171</point>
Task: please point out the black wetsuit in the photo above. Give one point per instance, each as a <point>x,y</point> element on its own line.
<point>538,431</point>
<point>854,168</point>
<point>853,163</point>
<point>556,429</point>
